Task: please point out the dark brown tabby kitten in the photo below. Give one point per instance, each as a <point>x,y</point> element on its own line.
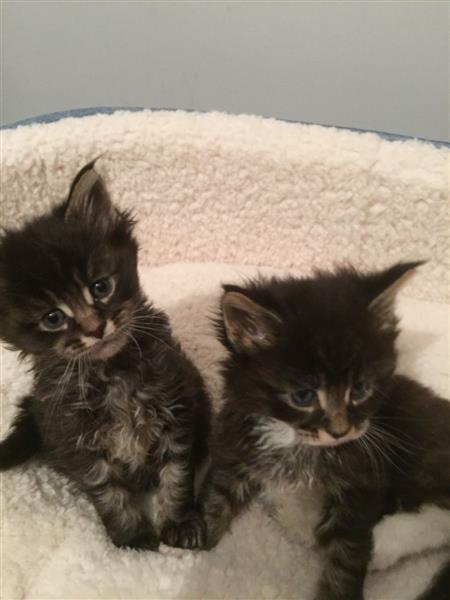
<point>116,405</point>
<point>312,401</point>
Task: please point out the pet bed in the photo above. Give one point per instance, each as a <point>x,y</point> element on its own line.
<point>220,197</point>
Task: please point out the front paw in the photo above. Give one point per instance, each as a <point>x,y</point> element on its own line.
<point>143,540</point>
<point>327,592</point>
<point>188,534</point>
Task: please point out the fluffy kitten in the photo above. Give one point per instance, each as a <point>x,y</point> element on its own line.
<point>116,405</point>
<point>312,401</point>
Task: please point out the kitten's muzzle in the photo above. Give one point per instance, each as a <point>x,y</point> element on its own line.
<point>338,426</point>
<point>339,434</point>
<point>107,346</point>
<point>96,332</point>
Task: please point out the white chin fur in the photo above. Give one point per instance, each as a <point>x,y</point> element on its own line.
<point>275,434</point>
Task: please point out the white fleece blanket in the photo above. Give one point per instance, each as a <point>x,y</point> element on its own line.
<point>239,190</point>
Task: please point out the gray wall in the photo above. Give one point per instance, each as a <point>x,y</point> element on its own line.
<point>373,65</point>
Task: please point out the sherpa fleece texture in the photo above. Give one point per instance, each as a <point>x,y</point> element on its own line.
<point>239,190</point>
<point>247,190</point>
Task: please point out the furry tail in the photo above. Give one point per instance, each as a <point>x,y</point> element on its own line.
<point>22,441</point>
<point>440,586</point>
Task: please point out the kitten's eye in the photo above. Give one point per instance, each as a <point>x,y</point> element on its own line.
<point>359,387</point>
<point>101,288</point>
<point>359,390</point>
<point>304,398</point>
<point>54,320</point>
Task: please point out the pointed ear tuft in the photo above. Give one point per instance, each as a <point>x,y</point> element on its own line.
<point>384,286</point>
<point>249,326</point>
<point>89,202</point>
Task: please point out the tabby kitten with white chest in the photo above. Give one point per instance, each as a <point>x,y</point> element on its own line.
<point>313,402</point>
<point>116,405</point>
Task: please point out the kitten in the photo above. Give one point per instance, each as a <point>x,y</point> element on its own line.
<point>116,405</point>
<point>312,401</point>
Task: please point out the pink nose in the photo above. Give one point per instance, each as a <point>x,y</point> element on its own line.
<point>339,425</point>
<point>337,435</point>
<point>97,332</point>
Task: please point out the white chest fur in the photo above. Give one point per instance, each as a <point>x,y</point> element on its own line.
<point>126,437</point>
<point>297,510</point>
<point>128,425</point>
<point>290,494</point>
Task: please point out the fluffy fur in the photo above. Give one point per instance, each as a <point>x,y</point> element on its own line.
<point>55,547</point>
<point>313,403</point>
<point>115,405</point>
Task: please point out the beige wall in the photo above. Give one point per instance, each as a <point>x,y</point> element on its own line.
<point>373,65</point>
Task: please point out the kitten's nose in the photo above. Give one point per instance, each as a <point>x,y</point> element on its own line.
<point>97,332</point>
<point>338,434</point>
<point>339,425</point>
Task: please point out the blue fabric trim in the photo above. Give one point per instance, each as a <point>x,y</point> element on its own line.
<point>77,113</point>
<point>108,110</point>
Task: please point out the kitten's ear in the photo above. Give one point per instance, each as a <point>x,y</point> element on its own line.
<point>89,201</point>
<point>384,286</point>
<point>248,325</point>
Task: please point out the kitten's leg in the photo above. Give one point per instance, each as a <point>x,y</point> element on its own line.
<point>346,540</point>
<point>344,572</point>
<point>183,525</point>
<point>124,519</point>
<point>174,506</point>
<point>226,493</point>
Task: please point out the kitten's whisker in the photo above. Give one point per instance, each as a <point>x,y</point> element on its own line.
<point>395,440</point>
<point>140,329</point>
<point>82,362</point>
<point>56,398</point>
<point>404,418</point>
<point>395,418</point>
<point>62,380</point>
<point>374,445</point>
<point>152,317</point>
<point>380,445</point>
<point>381,392</point>
<point>156,338</point>
<point>373,458</point>
<point>133,339</point>
<point>79,375</point>
<point>400,442</point>
<point>150,326</point>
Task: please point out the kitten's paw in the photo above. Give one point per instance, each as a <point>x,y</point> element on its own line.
<point>325,592</point>
<point>143,540</point>
<point>187,534</point>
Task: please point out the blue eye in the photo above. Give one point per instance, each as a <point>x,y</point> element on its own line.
<point>54,319</point>
<point>101,288</point>
<point>359,388</point>
<point>304,398</point>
